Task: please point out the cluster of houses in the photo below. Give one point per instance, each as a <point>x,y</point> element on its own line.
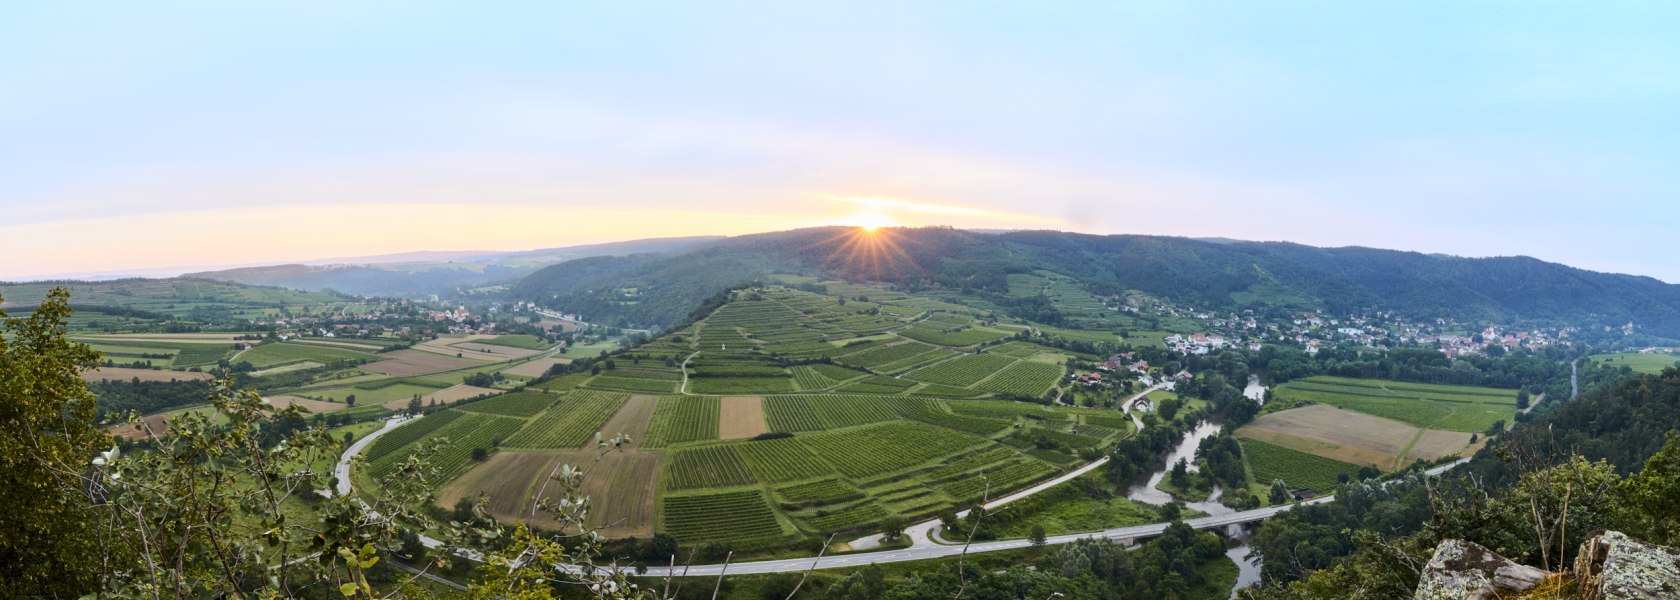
<point>1315,330</point>
<point>1126,366</point>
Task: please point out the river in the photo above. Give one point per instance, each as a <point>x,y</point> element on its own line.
<point>1248,571</point>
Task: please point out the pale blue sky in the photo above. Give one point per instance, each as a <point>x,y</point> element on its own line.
<point>162,134</point>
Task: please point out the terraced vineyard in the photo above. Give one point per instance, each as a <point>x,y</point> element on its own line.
<point>1297,469</point>
<point>566,425</point>
<point>727,516</point>
<point>781,460</point>
<point>962,372</point>
<point>826,491</point>
<point>706,467</point>
<point>517,404</point>
<point>832,411</point>
<point>681,419</point>
<point>875,450</point>
<point>843,443</point>
<point>1024,378</point>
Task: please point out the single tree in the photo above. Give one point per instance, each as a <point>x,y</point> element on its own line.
<point>1181,474</point>
<point>1037,535</point>
<point>1279,494</point>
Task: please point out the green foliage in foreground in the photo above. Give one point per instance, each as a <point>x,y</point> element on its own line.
<point>227,504</point>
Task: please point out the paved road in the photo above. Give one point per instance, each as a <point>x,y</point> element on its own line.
<point>1574,379</point>
<point>922,547</point>
<point>927,551</point>
<point>342,469</point>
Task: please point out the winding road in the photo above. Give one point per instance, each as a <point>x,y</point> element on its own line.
<point>922,546</point>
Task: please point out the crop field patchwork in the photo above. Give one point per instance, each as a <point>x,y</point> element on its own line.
<point>1454,408</point>
<point>1353,437</point>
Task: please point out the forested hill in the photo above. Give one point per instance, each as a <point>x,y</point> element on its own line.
<point>660,289</point>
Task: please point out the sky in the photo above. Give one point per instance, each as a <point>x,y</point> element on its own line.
<point>184,135</point>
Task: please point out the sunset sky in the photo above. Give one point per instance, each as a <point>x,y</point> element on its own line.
<point>182,135</point>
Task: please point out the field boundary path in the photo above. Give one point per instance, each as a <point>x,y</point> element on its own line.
<point>684,389</point>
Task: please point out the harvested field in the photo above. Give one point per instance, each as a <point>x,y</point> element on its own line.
<point>405,363</point>
<point>514,481</point>
<point>1352,437</point>
<point>495,350</point>
<point>120,373</point>
<point>159,424</point>
<point>1435,443</point>
<point>445,346</point>
<point>537,367</point>
<point>460,391</point>
<point>363,346</point>
<point>741,417</point>
<point>314,406</point>
<point>632,420</point>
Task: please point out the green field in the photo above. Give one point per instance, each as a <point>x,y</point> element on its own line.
<point>1297,469</point>
<point>268,355</point>
<point>1640,362</point>
<point>851,439</point>
<point>1449,407</point>
<point>528,342</point>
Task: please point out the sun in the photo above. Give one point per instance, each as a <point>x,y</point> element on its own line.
<point>871,221</point>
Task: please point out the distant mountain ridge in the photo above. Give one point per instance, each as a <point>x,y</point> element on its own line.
<point>1222,274</point>
<point>418,274</point>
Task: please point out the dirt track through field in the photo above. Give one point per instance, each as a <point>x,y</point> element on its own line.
<point>741,417</point>
<point>631,420</point>
<point>621,484</point>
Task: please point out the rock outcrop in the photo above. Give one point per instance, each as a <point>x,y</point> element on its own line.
<point>1609,566</point>
<point>1463,570</point>
<point>1613,566</point>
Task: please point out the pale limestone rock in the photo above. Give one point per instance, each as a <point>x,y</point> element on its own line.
<point>1613,566</point>
<point>1463,570</point>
